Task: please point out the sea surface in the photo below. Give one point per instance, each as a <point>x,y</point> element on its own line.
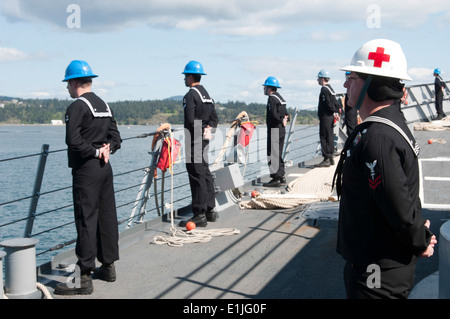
<point>54,225</point>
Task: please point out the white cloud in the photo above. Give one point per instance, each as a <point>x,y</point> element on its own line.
<point>106,83</point>
<point>235,17</point>
<point>420,74</point>
<point>41,95</point>
<point>323,36</point>
<point>11,54</point>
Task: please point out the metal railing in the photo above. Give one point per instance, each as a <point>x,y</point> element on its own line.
<point>420,102</point>
<point>125,205</point>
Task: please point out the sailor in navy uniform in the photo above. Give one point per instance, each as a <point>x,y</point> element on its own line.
<point>439,86</point>
<point>327,111</point>
<point>200,120</point>
<point>350,115</point>
<point>276,118</point>
<point>381,232</point>
<point>91,136</point>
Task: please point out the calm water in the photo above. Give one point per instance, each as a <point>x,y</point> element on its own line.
<point>17,176</point>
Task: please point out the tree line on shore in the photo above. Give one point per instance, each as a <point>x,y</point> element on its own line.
<point>147,112</point>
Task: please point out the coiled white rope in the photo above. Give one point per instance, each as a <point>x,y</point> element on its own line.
<point>179,237</point>
<point>440,125</point>
<point>42,288</point>
<point>314,186</point>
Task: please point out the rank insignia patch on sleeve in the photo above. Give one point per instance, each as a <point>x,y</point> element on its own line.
<point>374,182</point>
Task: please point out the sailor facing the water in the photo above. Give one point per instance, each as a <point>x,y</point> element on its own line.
<point>327,112</point>
<point>439,87</point>
<point>350,113</point>
<point>380,224</point>
<point>200,119</point>
<point>276,118</point>
<point>91,136</point>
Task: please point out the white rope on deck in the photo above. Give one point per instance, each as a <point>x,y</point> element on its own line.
<point>437,140</point>
<point>39,286</point>
<point>440,125</point>
<point>314,186</point>
<point>180,237</point>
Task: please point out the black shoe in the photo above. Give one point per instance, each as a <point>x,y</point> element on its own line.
<point>282,180</point>
<point>199,221</point>
<point>84,287</point>
<point>211,216</point>
<point>324,163</point>
<point>332,160</point>
<point>274,182</point>
<point>106,273</point>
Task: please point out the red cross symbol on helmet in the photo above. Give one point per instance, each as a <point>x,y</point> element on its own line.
<point>379,57</point>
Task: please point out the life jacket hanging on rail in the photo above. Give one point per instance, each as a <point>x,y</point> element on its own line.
<point>166,158</point>
<point>245,134</point>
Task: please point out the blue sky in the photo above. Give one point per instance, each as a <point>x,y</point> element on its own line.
<point>140,47</point>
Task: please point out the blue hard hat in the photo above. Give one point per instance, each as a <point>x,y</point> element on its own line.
<point>323,74</point>
<point>193,67</point>
<point>437,71</point>
<point>78,69</point>
<point>272,81</point>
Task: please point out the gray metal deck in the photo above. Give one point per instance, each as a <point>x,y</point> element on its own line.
<point>279,254</point>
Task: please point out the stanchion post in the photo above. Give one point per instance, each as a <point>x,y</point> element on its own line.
<point>36,190</point>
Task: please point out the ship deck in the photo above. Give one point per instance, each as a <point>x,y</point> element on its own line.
<point>278,254</point>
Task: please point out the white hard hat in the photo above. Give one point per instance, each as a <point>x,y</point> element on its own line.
<point>380,57</point>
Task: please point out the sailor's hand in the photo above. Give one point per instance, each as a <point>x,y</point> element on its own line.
<point>207,133</point>
<point>430,249</point>
<point>104,152</point>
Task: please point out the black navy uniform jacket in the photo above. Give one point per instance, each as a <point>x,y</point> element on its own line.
<point>88,128</point>
<point>380,211</point>
<point>199,112</point>
<point>198,105</point>
<point>276,110</point>
<point>327,102</point>
<point>438,85</point>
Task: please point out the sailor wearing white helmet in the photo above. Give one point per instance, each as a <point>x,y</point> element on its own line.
<point>377,180</point>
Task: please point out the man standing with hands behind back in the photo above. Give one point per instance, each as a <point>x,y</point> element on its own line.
<point>91,136</point>
<point>276,118</point>
<point>200,119</point>
<point>439,87</point>
<point>327,111</point>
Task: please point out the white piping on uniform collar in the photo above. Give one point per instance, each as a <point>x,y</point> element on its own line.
<point>94,112</point>
<point>204,100</point>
